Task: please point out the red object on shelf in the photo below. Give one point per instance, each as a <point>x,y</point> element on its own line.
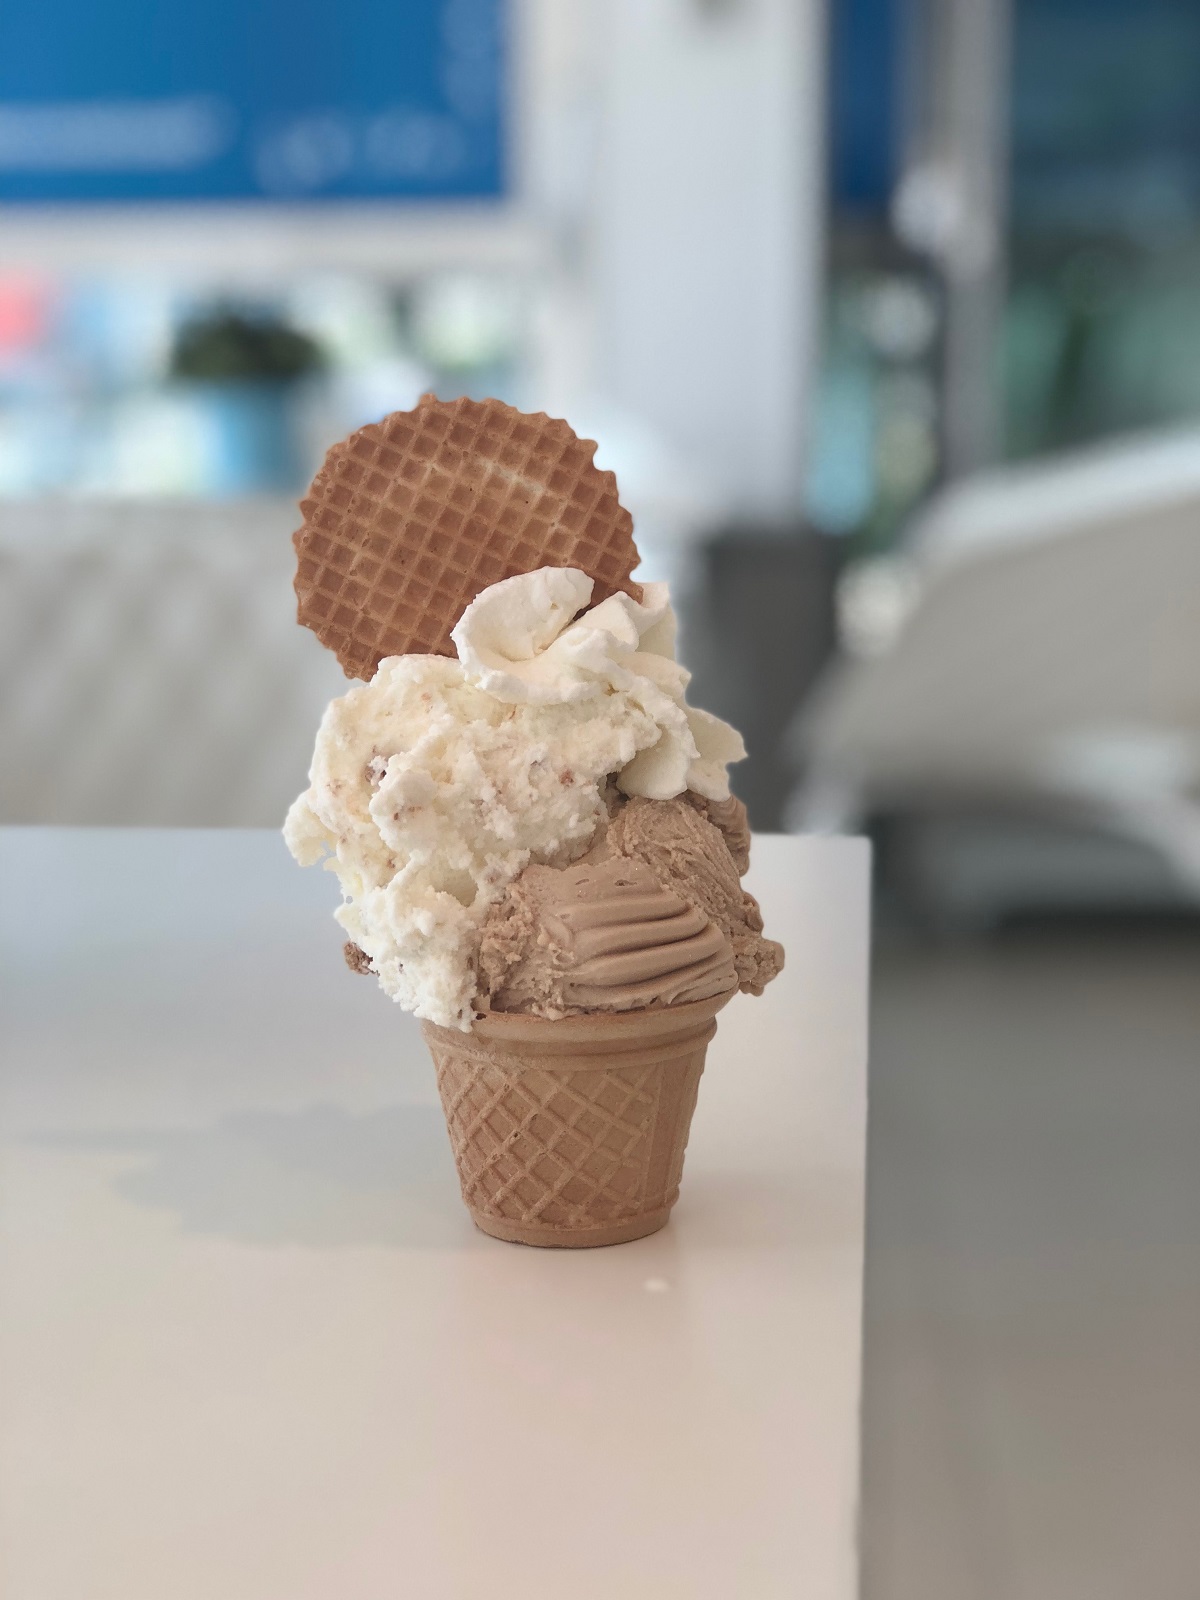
<point>24,308</point>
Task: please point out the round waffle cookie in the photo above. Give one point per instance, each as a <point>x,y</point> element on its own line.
<point>409,518</point>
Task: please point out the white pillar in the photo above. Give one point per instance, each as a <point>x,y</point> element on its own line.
<point>696,153</point>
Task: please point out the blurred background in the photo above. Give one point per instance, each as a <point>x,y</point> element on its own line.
<point>886,313</point>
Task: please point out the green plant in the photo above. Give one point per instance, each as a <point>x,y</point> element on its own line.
<point>226,344</point>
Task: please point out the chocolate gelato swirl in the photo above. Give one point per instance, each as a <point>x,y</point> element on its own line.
<point>696,857</point>
<point>599,936</point>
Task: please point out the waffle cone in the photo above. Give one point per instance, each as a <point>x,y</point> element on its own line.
<point>409,518</point>
<point>572,1132</point>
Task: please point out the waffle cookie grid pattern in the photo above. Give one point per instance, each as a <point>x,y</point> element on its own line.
<point>573,1131</point>
<point>556,1147</point>
<point>409,518</point>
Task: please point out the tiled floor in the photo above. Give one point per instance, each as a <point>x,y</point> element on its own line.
<point>1032,1407</point>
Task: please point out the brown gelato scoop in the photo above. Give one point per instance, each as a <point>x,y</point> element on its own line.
<point>696,857</point>
<point>730,817</point>
<point>599,936</point>
<point>653,915</point>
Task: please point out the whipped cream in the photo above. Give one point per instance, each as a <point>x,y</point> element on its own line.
<point>523,641</point>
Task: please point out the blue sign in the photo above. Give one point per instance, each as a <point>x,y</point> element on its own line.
<point>137,100</point>
<point>866,50</point>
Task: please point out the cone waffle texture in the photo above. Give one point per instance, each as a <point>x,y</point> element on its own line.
<point>410,518</point>
<point>572,1132</point>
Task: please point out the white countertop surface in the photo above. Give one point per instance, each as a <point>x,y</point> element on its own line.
<point>251,1347</point>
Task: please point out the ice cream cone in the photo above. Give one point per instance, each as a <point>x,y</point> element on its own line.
<point>572,1132</point>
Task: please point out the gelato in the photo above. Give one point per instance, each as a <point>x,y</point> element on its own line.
<point>601,936</point>
<point>654,914</point>
<point>435,785</point>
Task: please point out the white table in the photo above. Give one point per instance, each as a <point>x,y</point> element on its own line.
<point>251,1347</point>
